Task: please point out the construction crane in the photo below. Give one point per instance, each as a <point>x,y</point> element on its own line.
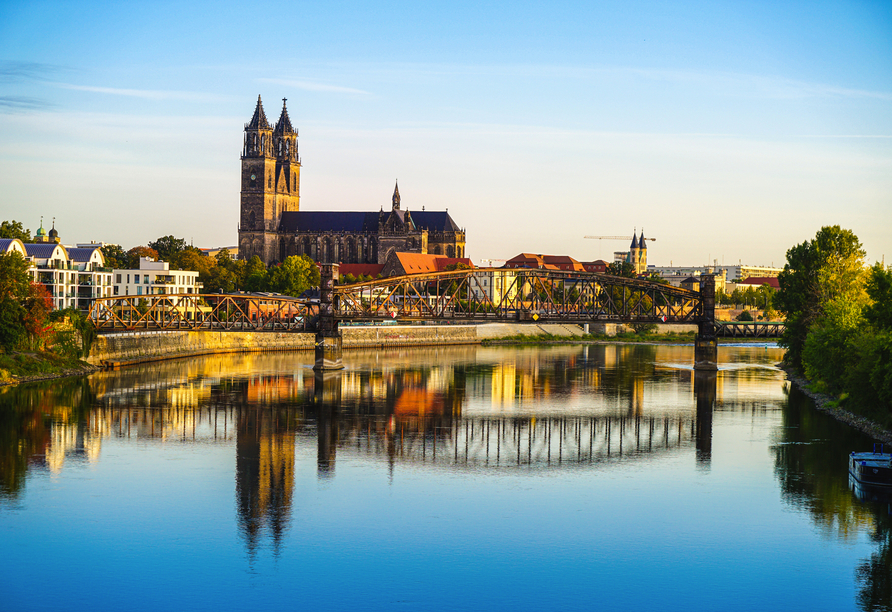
<point>614,238</point>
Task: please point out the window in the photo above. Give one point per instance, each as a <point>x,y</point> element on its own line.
<point>139,291</point>
<point>145,279</point>
<point>116,290</point>
<point>135,278</point>
<point>118,278</point>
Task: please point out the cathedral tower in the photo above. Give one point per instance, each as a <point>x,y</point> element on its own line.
<point>270,183</point>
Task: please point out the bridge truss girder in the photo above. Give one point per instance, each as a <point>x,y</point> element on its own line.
<point>202,312</point>
<point>522,295</point>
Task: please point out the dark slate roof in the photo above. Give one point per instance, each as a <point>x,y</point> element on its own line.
<point>283,125</point>
<point>4,244</point>
<point>332,221</point>
<point>81,255</point>
<point>337,221</point>
<point>258,121</point>
<point>42,250</point>
<point>642,244</point>
<point>634,242</point>
<point>434,220</point>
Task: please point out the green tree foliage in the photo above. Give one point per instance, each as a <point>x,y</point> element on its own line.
<point>843,309</point>
<point>24,306</point>
<point>879,290</point>
<point>14,229</point>
<point>816,271</point>
<point>621,268</point>
<point>168,247</point>
<point>256,277</point>
<point>115,257</point>
<point>294,275</point>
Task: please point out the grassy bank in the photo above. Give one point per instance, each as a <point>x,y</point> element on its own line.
<point>21,367</point>
<point>670,338</point>
<point>880,429</point>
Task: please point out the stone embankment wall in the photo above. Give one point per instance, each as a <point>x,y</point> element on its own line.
<point>125,348</point>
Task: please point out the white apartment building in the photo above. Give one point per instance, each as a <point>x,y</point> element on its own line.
<point>733,274</point>
<point>73,277</point>
<point>155,278</point>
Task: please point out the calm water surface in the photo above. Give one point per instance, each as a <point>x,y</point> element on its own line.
<point>466,478</point>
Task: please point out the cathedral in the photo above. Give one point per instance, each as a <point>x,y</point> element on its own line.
<point>272,226</point>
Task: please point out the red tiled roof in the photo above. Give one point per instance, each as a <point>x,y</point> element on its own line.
<point>414,263</point>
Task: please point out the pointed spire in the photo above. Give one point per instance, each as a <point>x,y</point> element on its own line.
<point>641,242</point>
<point>258,121</point>
<point>396,196</point>
<point>634,240</point>
<point>283,125</point>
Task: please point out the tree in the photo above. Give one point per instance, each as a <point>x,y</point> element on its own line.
<point>24,306</point>
<point>879,289</point>
<point>14,229</point>
<point>294,275</point>
<point>816,271</point>
<point>621,268</point>
<point>255,275</point>
<point>168,247</point>
<point>114,255</point>
<point>136,252</point>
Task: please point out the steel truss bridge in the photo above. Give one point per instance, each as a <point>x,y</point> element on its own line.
<point>477,295</point>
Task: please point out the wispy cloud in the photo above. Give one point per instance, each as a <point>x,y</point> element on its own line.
<point>145,94</point>
<point>310,86</point>
<point>12,104</point>
<point>26,71</point>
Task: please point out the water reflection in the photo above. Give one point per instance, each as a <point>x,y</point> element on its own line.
<point>811,453</point>
<point>456,408</point>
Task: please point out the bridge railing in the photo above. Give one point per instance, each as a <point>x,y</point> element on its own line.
<point>202,312</point>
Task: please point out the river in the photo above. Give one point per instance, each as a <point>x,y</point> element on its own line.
<point>569,477</point>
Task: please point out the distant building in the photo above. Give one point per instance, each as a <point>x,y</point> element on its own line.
<point>494,284</point>
<point>155,278</point>
<point>599,266</point>
<point>213,252</point>
<point>544,262</point>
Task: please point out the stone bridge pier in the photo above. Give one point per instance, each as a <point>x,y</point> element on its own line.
<point>706,342</point>
<point>329,339</point>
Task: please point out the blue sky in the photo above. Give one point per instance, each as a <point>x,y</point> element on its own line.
<point>728,131</point>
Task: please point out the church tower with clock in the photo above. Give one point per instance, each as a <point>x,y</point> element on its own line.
<point>270,183</point>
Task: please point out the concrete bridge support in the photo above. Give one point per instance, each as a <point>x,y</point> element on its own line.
<point>329,340</point>
<point>706,343</point>
<point>705,392</point>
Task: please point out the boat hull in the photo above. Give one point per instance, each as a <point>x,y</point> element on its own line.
<point>874,469</point>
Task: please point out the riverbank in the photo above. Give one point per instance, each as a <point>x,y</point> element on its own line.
<point>17,368</point>
<point>829,404</point>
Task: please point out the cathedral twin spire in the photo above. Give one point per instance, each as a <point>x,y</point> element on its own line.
<point>282,142</point>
